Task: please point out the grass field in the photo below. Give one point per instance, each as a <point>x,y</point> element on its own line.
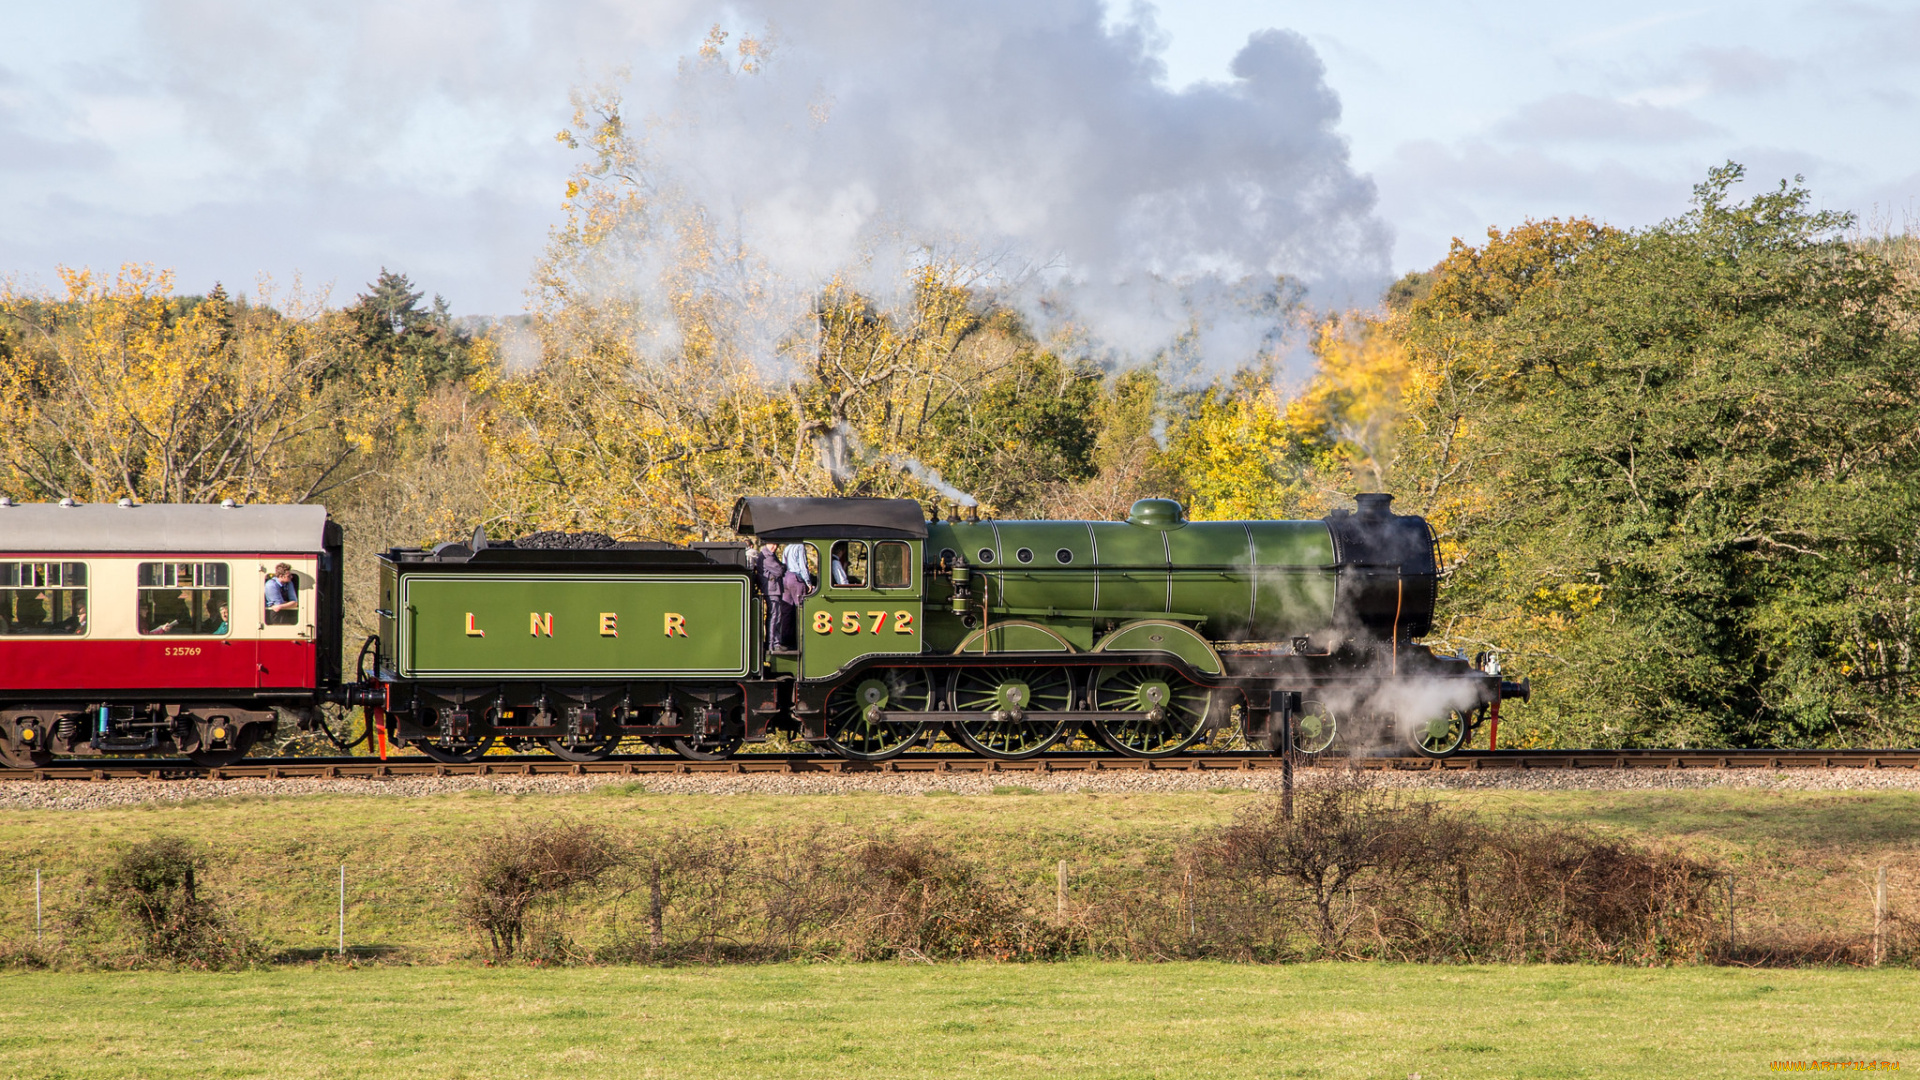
<point>1803,858</point>
<point>1051,1020</point>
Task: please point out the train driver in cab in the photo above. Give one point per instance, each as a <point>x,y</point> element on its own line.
<point>283,597</point>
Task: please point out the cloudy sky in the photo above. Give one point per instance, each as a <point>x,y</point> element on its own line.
<point>327,138</point>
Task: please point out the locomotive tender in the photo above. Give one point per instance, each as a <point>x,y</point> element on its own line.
<point>1009,637</point>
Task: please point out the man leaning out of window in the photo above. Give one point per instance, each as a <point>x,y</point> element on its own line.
<point>283,597</point>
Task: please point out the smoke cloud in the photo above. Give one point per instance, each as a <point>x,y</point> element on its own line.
<point>1033,142</point>
<point>1033,138</point>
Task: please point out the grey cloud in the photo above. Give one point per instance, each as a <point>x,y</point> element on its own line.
<point>331,236</point>
<point>29,148</point>
<point>1429,188</point>
<point>24,152</point>
<point>1736,71</point>
<point>1585,118</point>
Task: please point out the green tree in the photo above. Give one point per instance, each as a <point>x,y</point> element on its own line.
<point>422,345</point>
<point>1683,481</point>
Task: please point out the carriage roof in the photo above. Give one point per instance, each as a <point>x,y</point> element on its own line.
<point>162,527</point>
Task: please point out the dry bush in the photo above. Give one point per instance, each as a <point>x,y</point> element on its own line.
<point>913,898</point>
<point>1549,892</point>
<point>155,888</point>
<point>1363,871</point>
<point>1270,886</point>
<point>1359,871</point>
<point>723,898</point>
<point>26,956</point>
<point>531,870</point>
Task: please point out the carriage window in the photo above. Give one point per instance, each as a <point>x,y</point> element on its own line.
<point>184,598</point>
<point>43,598</point>
<point>890,563</point>
<point>849,563</point>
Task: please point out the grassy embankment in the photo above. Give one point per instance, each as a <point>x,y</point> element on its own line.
<point>1802,861</point>
<point>1056,1020</point>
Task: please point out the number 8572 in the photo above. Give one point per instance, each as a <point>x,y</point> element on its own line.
<point>849,622</point>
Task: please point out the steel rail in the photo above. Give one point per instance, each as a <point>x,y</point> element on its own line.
<point>955,763</point>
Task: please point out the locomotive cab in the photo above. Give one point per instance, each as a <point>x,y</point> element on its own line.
<point>864,556</point>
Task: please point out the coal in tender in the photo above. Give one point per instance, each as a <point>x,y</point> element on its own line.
<point>551,540</point>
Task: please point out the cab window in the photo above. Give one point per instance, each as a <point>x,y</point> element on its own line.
<point>891,566</point>
<point>184,598</point>
<point>848,564</point>
<point>43,598</point>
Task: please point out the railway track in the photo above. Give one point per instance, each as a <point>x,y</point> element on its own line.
<point>790,764</point>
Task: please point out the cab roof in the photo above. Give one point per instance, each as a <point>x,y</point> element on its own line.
<point>829,519</point>
<point>162,527</point>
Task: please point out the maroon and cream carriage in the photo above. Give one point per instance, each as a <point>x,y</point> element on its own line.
<point>146,628</point>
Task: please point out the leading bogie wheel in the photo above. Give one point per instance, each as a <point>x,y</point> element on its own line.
<point>1003,711</point>
<point>858,711</point>
<point>1315,727</point>
<point>1167,713</point>
<point>1440,736</point>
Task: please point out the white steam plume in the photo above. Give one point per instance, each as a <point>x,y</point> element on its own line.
<point>1027,137</point>
<point>842,453</point>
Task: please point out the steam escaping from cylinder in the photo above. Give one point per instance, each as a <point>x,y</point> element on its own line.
<point>1379,714</point>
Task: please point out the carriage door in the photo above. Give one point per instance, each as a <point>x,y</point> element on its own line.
<point>867,603</point>
<point>285,658</point>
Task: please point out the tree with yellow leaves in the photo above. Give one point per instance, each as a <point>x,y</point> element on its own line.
<point>677,372</point>
<point>121,390</point>
<point>1245,450</point>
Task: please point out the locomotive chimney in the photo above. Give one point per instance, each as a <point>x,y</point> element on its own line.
<point>1373,505</point>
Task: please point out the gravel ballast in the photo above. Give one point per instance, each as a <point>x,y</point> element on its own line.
<point>99,794</point>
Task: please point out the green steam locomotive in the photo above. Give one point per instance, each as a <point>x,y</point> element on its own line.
<point>1008,637</point>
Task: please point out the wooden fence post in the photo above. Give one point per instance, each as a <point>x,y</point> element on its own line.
<point>656,931</point>
<point>1879,916</point>
<point>1060,889</point>
<point>1730,911</point>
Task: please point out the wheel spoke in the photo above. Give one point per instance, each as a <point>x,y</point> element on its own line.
<point>857,713</point>
<point>1440,736</point>
<point>1003,711</point>
<point>1315,728</point>
<point>1170,713</point>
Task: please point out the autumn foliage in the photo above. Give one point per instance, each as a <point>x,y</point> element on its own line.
<point>1672,469</point>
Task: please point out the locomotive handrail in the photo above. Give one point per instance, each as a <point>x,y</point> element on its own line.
<point>1160,567</point>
